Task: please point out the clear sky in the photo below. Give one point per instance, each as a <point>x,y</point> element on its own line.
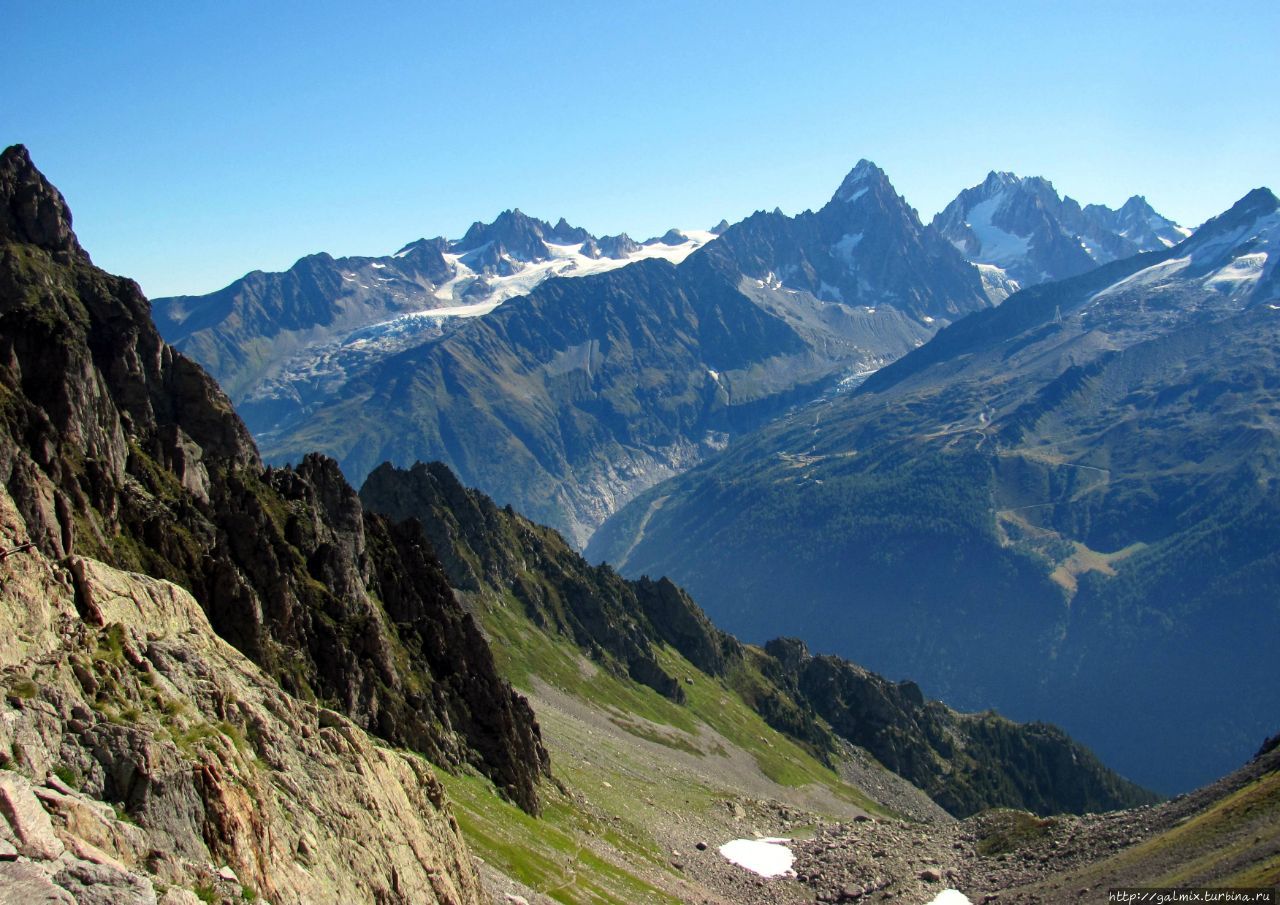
<point>197,144</point>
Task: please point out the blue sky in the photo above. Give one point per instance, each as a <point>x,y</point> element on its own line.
<point>197,144</point>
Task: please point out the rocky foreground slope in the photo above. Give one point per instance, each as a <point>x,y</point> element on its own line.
<point>145,759</point>
<point>1224,835</point>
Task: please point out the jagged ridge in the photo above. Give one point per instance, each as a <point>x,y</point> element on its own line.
<point>116,446</point>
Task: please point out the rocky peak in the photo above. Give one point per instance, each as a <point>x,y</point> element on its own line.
<point>1022,226</point>
<point>998,179</point>
<point>865,247</point>
<point>617,247</point>
<point>426,257</point>
<point>565,234</point>
<point>719,227</point>
<point>1257,204</point>
<point>1250,227</point>
<point>1242,216</point>
<point>863,177</point>
<point>518,234</point>
<point>672,236</point>
<point>1136,208</point>
<point>31,209</point>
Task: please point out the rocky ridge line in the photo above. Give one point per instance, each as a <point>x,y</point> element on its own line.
<point>115,446</point>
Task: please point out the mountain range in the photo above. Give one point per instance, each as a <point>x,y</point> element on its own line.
<point>1067,495</point>
<point>572,397</point>
<point>569,400</point>
<point>224,681</point>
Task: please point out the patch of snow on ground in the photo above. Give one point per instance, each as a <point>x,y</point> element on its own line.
<point>766,857</point>
<point>454,311</point>
<point>951,897</point>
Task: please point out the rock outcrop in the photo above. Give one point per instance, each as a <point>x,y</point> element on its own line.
<point>146,760</point>
<point>116,447</point>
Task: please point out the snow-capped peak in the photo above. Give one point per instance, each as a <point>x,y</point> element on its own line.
<point>1023,226</point>
<point>1250,222</point>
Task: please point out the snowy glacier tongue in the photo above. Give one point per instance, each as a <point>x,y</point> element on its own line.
<point>766,857</point>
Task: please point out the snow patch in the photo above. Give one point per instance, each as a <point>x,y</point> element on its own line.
<point>447,311</point>
<point>565,261</point>
<point>766,857</point>
<point>1095,251</point>
<point>851,196</point>
<point>997,246</point>
<point>1240,273</point>
<point>844,248</point>
<point>951,897</point>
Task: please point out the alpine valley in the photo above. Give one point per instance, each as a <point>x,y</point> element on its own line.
<point>228,681</point>
<point>1052,501</point>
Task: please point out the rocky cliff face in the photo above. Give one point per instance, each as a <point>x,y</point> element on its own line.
<point>147,760</point>
<point>113,445</point>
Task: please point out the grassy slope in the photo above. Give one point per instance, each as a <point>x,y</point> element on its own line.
<point>636,771</point>
<point>1227,835</point>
